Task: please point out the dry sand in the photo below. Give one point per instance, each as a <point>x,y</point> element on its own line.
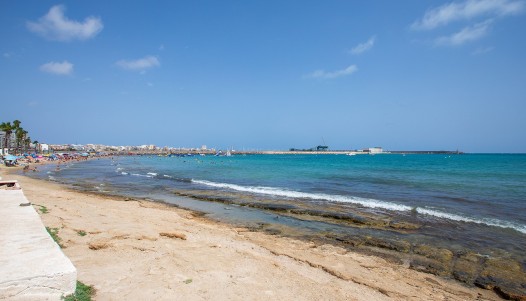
<point>140,250</point>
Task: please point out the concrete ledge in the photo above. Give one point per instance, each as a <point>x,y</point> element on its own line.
<point>9,185</point>
<point>32,265</point>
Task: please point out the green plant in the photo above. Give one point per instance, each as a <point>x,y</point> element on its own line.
<point>53,232</point>
<point>82,293</point>
<point>41,208</point>
<point>81,232</point>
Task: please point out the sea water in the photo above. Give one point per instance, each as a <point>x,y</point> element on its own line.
<point>468,200</point>
<point>487,189</point>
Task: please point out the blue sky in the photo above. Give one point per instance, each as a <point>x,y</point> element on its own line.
<point>405,75</point>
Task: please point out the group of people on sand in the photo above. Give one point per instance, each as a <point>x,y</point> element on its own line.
<point>28,168</point>
<point>28,161</point>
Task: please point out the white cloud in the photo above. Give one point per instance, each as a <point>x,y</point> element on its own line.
<point>467,34</point>
<point>63,68</point>
<point>140,64</point>
<point>483,50</point>
<point>329,75</point>
<point>55,26</point>
<point>467,10</point>
<point>361,48</point>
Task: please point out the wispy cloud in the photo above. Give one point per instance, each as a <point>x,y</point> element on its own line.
<point>363,47</point>
<point>55,26</point>
<point>467,10</point>
<point>64,68</point>
<point>334,74</point>
<point>139,64</point>
<point>467,34</point>
<point>483,50</point>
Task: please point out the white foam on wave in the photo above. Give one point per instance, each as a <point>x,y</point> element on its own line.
<point>100,189</point>
<point>152,174</point>
<point>139,175</point>
<point>167,176</point>
<point>370,203</point>
<point>124,173</point>
<point>485,221</point>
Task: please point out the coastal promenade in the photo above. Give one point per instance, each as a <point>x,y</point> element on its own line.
<point>32,265</point>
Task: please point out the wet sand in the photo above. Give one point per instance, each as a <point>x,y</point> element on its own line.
<point>141,250</point>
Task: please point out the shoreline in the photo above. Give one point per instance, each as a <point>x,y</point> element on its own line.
<point>169,244</point>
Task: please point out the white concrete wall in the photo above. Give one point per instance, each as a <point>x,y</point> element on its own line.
<point>32,265</point>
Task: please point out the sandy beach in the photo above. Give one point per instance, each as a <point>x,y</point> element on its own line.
<point>140,250</point>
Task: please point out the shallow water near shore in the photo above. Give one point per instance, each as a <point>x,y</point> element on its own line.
<point>453,215</point>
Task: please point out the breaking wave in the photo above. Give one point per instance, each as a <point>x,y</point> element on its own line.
<point>365,202</point>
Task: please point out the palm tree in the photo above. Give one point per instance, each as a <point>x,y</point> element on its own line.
<point>27,142</point>
<point>19,135</point>
<point>36,146</point>
<point>7,128</point>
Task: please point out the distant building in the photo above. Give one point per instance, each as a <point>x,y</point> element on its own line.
<point>76,147</point>
<point>203,147</point>
<point>44,148</point>
<point>2,146</point>
<point>12,142</point>
<point>375,150</point>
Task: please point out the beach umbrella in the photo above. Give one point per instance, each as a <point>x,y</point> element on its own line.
<point>10,158</point>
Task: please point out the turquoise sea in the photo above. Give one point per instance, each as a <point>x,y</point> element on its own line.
<point>474,202</point>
